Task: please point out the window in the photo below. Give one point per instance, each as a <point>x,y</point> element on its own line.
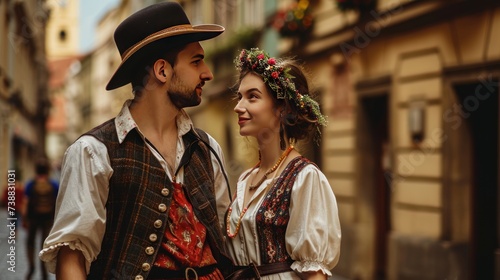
<point>62,35</point>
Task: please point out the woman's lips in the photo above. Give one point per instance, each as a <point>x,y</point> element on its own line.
<point>242,120</point>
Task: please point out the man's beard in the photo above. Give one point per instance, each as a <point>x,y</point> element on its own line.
<point>181,95</point>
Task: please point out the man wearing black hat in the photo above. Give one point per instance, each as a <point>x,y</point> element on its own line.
<point>142,196</point>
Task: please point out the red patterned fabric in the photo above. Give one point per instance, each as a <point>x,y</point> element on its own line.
<point>184,241</point>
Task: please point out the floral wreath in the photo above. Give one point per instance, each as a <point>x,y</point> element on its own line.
<point>280,81</point>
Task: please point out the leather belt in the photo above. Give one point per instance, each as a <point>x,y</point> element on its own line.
<point>256,271</point>
<point>162,273</point>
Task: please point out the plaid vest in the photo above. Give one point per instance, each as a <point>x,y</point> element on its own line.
<point>140,194</point>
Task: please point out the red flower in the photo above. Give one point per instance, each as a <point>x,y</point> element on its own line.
<point>260,56</point>
<point>271,61</point>
<point>275,74</point>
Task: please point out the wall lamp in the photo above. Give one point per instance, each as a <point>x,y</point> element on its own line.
<point>416,120</point>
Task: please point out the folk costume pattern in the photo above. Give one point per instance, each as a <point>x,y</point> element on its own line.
<point>125,209</point>
<point>128,174</point>
<point>273,216</point>
<point>184,238</point>
<point>311,244</point>
<point>279,228</point>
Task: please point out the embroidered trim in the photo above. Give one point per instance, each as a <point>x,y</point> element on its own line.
<point>303,266</point>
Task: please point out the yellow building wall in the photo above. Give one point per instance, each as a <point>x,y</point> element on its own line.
<point>415,61</point>
<point>417,76</point>
<point>338,165</point>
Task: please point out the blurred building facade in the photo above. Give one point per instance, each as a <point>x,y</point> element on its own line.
<point>63,35</point>
<point>411,150</point>
<point>24,103</point>
<point>411,92</point>
<point>63,56</point>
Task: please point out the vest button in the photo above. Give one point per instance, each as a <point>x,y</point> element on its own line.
<point>158,224</point>
<point>165,192</point>
<point>146,266</point>
<point>153,237</point>
<point>149,250</point>
<point>139,277</point>
<point>162,207</point>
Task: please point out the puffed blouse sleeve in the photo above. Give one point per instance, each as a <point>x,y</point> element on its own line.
<point>313,233</point>
<point>80,207</point>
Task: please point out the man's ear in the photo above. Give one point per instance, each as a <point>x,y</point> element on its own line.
<point>162,70</point>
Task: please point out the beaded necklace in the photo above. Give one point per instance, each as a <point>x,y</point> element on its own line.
<point>271,170</point>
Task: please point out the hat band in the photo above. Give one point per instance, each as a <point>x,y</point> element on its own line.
<point>155,36</point>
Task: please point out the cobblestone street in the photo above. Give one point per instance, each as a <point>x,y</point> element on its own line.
<point>8,272</point>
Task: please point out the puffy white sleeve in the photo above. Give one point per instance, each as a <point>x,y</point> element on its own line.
<point>80,216</point>
<point>221,186</point>
<point>313,233</point>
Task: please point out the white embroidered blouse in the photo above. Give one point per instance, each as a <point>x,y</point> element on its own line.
<point>313,233</point>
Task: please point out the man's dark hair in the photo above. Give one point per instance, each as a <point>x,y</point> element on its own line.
<point>149,55</point>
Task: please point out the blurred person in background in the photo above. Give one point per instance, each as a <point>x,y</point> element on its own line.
<point>142,195</point>
<point>283,222</point>
<point>40,204</point>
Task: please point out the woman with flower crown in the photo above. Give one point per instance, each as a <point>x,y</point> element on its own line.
<point>283,222</point>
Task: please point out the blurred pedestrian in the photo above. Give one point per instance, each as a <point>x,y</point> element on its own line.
<point>40,200</point>
<point>283,223</point>
<point>143,194</point>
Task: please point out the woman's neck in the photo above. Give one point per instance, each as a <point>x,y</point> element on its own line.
<point>270,153</point>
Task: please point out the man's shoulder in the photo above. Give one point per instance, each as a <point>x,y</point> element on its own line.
<point>85,145</point>
<point>206,136</point>
<point>209,140</point>
<point>102,132</point>
<point>106,127</point>
<point>203,135</point>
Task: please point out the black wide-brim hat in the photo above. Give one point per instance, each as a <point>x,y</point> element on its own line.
<point>163,22</point>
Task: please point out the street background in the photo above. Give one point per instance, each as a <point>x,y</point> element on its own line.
<point>21,269</point>
<point>410,89</point>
